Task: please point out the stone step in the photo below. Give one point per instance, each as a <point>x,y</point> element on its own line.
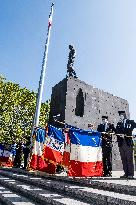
<point>39,195</point>
<point>87,194</point>
<point>8,197</point>
<point>108,184</point>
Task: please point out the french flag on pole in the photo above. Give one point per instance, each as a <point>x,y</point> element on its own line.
<point>54,147</point>
<point>50,21</point>
<point>37,158</point>
<point>47,149</point>
<point>85,153</point>
<point>50,17</point>
<point>67,150</point>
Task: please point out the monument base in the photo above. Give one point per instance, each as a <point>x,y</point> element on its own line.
<point>116,159</point>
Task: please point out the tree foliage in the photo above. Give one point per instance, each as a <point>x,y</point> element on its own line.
<point>17,107</point>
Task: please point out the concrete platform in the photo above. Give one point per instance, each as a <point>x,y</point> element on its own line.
<point>117,174</point>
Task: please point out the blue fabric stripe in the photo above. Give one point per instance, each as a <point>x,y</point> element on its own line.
<point>1,147</point>
<point>56,133</point>
<point>77,136</point>
<point>40,135</point>
<point>85,138</point>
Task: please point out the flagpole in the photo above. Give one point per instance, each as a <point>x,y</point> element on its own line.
<point>42,77</point>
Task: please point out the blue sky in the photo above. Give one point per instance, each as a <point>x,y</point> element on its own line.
<point>102,31</point>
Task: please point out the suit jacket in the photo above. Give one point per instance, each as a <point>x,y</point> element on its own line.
<point>110,128</point>
<point>106,138</point>
<point>126,129</point>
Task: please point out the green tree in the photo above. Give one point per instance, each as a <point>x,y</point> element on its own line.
<point>17,107</point>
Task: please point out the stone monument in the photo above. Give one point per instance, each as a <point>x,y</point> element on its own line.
<point>79,104</point>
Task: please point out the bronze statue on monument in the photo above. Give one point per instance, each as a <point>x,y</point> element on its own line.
<point>70,70</point>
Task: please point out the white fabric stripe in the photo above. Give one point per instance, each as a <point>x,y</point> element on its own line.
<point>85,153</point>
<point>38,148</point>
<point>1,152</point>
<point>5,153</point>
<point>67,148</point>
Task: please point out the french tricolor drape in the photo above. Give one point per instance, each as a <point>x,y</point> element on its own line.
<point>83,153</point>
<point>78,150</point>
<point>5,157</point>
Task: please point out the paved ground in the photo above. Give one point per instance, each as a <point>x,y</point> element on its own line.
<point>117,174</point>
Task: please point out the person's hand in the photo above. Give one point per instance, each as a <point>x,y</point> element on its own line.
<point>66,129</point>
<point>103,132</point>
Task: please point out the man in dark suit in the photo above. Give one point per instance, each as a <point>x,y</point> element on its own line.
<point>106,130</point>
<point>26,151</point>
<point>18,156</point>
<point>124,137</point>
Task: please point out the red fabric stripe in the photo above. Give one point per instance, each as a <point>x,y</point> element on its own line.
<point>66,154</point>
<point>66,159</point>
<point>67,139</point>
<point>5,161</point>
<point>53,158</point>
<point>85,169</point>
<point>53,155</point>
<point>49,23</point>
<point>33,161</point>
<point>48,162</point>
<point>51,168</point>
<point>38,163</point>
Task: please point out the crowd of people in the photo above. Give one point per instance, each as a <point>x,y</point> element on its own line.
<point>20,152</point>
